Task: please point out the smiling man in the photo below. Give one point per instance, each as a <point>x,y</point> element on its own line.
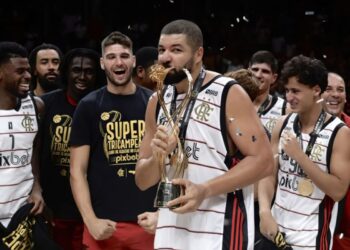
<point>80,75</point>
<point>311,173</point>
<point>19,182</point>
<point>334,101</point>
<point>335,97</point>
<point>216,209</point>
<point>106,132</point>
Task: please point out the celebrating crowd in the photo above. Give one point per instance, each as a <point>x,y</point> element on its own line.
<point>87,136</point>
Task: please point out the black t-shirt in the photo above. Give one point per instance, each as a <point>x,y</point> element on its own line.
<point>113,126</point>
<point>54,157</point>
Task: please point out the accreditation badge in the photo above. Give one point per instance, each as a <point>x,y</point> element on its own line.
<point>305,187</point>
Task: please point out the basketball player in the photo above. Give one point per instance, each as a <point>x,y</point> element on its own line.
<point>108,125</point>
<point>45,61</point>
<point>80,75</point>
<point>311,172</point>
<point>19,181</point>
<point>221,121</point>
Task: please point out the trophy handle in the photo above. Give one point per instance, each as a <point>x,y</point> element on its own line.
<point>166,190</point>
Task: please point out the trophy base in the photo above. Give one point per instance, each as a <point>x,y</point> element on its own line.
<point>167,192</point>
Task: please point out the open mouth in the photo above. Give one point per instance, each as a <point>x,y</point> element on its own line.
<point>333,103</point>
<point>23,87</point>
<point>119,72</point>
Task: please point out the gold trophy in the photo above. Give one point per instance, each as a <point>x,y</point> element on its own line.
<point>178,160</point>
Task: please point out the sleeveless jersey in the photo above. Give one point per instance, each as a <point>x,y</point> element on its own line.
<point>17,131</point>
<point>210,226</point>
<point>308,220</point>
<point>270,116</point>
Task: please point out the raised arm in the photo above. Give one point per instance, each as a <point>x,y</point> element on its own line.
<point>334,184</point>
<point>147,170</point>
<point>156,143</point>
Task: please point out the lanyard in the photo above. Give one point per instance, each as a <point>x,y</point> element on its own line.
<point>263,107</point>
<point>314,134</point>
<point>183,127</point>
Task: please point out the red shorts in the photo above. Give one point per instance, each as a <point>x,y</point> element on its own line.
<point>68,234</point>
<point>341,243</point>
<point>128,236</point>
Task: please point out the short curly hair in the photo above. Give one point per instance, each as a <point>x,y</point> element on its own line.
<point>308,71</point>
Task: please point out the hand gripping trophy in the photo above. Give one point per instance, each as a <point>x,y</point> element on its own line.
<point>178,159</point>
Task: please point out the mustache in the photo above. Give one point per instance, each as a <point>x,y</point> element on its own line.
<point>51,74</point>
<point>174,76</point>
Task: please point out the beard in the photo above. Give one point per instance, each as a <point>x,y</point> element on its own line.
<point>22,94</point>
<point>175,76</point>
<point>49,85</point>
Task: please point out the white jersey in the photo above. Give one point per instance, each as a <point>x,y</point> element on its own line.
<point>270,116</point>
<point>206,148</point>
<point>307,219</point>
<point>17,132</point>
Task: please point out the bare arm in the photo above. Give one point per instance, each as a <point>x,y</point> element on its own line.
<point>267,187</point>
<point>79,158</point>
<point>334,184</point>
<point>247,133</point>
<point>155,143</point>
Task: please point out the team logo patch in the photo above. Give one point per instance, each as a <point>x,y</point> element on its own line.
<point>316,153</point>
<point>203,112</point>
<point>28,123</point>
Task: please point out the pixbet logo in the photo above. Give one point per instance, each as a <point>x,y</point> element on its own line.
<point>14,159</point>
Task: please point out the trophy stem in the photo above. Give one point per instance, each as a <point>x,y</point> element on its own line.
<point>166,190</point>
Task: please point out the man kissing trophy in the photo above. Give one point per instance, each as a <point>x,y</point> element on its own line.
<point>174,119</point>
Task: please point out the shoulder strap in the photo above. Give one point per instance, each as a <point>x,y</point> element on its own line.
<point>284,107</point>
<point>35,108</point>
<point>284,124</point>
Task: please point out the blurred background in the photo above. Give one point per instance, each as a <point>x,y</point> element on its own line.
<point>233,29</point>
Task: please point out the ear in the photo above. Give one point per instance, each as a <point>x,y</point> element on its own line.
<point>317,90</point>
<point>274,77</point>
<point>134,63</point>
<point>199,54</point>
<point>102,63</point>
<point>140,71</point>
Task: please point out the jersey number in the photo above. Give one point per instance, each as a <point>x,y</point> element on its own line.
<point>13,141</point>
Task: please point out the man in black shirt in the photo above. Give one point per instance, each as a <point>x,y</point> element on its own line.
<point>107,129</point>
<point>80,71</point>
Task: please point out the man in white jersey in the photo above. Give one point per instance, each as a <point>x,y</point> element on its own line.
<point>222,121</point>
<point>269,107</point>
<point>19,182</point>
<point>311,174</point>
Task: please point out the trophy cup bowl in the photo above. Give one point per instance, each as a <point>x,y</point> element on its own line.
<point>168,191</point>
